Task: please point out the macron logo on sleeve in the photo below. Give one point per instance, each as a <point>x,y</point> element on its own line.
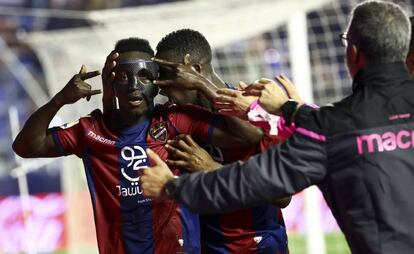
<point>100,138</point>
<point>388,141</point>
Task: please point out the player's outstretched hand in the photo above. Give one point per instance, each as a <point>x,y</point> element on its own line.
<point>289,88</point>
<point>271,96</point>
<point>232,102</point>
<point>77,88</point>
<point>184,75</point>
<point>186,153</point>
<point>156,176</point>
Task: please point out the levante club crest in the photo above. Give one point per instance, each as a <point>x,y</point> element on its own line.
<point>159,132</point>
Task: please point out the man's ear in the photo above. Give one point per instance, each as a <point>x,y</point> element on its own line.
<point>410,62</point>
<point>360,59</point>
<point>355,55</point>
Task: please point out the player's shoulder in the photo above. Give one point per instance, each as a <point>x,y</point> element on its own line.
<point>84,121</point>
<point>171,108</point>
<point>95,115</point>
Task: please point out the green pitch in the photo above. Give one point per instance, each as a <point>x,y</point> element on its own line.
<point>335,244</point>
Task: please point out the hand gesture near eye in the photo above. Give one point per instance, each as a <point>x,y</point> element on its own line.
<point>184,75</point>
<point>77,88</point>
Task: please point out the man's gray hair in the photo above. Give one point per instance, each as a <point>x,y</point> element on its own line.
<point>381,31</point>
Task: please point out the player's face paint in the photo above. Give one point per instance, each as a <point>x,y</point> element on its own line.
<point>133,83</point>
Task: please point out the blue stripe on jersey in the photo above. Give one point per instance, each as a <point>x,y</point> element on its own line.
<point>273,235</point>
<point>57,142</point>
<point>136,210</point>
<point>213,125</point>
<point>210,233</point>
<point>190,227</point>
<point>91,184</point>
<point>191,230</point>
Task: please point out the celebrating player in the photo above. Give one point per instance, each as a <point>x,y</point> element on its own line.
<point>112,146</point>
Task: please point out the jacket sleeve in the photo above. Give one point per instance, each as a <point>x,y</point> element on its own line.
<point>277,172</point>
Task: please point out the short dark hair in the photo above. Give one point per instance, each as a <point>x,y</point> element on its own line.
<point>133,44</point>
<point>412,34</point>
<point>185,41</point>
<point>381,30</point>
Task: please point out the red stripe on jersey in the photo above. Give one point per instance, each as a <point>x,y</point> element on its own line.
<point>238,229</point>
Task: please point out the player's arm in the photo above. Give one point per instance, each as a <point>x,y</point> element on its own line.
<point>238,102</point>
<point>278,172</point>
<point>186,153</point>
<point>35,139</point>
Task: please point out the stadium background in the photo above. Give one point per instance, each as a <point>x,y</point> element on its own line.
<point>44,203</point>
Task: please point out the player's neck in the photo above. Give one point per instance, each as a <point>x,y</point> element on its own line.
<point>129,119</point>
<point>119,120</point>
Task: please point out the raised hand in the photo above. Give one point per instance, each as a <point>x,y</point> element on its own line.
<point>183,74</point>
<point>156,176</point>
<point>233,103</point>
<point>108,76</point>
<point>289,88</point>
<point>186,153</point>
<point>271,96</point>
<point>77,88</point>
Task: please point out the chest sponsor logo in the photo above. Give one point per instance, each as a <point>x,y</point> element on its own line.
<point>159,132</point>
<point>137,159</point>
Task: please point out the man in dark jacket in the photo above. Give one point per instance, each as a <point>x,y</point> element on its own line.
<point>357,151</point>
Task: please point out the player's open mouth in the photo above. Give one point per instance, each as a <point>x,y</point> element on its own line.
<point>135,100</point>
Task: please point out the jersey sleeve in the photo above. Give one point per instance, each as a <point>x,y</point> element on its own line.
<point>68,138</point>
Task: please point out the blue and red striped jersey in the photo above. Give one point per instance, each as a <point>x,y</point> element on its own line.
<point>125,220</point>
<point>254,230</point>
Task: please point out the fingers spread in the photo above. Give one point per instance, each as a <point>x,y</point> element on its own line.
<point>242,85</point>
<point>177,153</point>
<point>89,75</point>
<point>164,63</point>
<point>190,141</point>
<point>181,145</point>
<point>94,92</point>
<point>224,99</point>
<point>219,106</point>
<point>83,69</point>
<point>252,92</point>
<point>255,86</point>
<point>177,163</point>
<point>228,92</point>
<point>112,56</point>
<point>163,83</point>
<point>265,81</point>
